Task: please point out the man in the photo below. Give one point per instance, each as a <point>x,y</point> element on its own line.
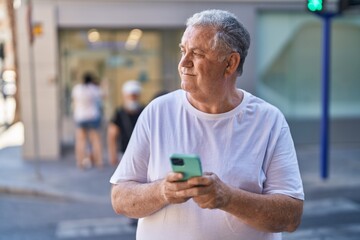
<point>251,186</point>
<point>124,119</point>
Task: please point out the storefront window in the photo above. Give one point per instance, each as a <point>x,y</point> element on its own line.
<point>289,64</point>
<point>115,56</point>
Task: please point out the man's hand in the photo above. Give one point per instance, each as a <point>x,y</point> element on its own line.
<point>171,186</point>
<point>207,191</point>
<point>269,213</point>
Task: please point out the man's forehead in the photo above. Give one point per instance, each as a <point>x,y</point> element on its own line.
<point>199,37</point>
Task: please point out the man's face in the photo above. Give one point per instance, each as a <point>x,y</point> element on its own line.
<point>200,70</point>
<point>131,97</point>
<point>131,101</point>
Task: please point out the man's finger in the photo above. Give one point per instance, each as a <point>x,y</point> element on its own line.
<point>174,177</point>
<point>192,192</point>
<point>200,181</point>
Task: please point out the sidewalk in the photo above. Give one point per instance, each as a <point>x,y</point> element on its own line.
<point>344,171</point>
<point>58,179</point>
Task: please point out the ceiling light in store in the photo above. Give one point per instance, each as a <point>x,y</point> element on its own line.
<point>17,4</point>
<point>133,39</point>
<point>93,35</point>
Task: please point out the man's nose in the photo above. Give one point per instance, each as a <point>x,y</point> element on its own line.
<point>186,61</point>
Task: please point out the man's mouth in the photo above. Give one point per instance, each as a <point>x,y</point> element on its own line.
<point>187,74</point>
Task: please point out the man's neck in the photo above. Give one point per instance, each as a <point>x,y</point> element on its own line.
<point>217,104</point>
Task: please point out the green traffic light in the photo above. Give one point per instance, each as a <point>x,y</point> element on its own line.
<point>315,5</point>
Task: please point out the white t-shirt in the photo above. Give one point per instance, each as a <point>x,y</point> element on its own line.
<point>87,98</point>
<point>249,147</point>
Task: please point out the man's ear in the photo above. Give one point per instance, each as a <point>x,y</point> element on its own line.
<point>233,63</point>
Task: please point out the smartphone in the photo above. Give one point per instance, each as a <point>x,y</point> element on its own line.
<point>187,164</point>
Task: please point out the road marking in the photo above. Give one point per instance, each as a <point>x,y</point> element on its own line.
<point>93,227</point>
<point>329,206</point>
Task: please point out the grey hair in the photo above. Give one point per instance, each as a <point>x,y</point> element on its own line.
<point>231,35</point>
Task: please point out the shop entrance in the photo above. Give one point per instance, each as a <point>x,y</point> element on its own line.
<point>115,56</point>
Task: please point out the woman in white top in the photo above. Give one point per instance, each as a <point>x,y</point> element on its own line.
<point>87,101</point>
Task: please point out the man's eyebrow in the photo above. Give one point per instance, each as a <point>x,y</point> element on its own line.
<point>193,49</point>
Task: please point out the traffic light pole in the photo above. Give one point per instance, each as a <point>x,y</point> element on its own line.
<point>326,17</point>
<point>325,95</point>
<point>317,7</point>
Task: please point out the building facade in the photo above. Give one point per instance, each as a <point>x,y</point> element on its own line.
<point>120,40</point>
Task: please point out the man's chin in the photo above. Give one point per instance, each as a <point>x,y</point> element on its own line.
<point>185,87</point>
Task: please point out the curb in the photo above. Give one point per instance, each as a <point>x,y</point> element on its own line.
<point>33,192</point>
<point>55,195</point>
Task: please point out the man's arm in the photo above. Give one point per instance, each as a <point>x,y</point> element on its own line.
<point>269,213</point>
<point>136,200</point>
<point>113,133</point>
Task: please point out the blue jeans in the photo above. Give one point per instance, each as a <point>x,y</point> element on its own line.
<point>89,124</point>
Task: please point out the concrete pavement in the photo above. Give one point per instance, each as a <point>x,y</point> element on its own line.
<point>58,179</point>
<point>326,201</point>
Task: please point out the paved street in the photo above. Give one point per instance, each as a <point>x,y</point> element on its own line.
<point>325,219</point>
<point>34,218</point>
<point>43,218</point>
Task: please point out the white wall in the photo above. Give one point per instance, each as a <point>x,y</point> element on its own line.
<point>38,66</point>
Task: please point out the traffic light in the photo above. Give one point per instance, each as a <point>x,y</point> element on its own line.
<point>315,5</point>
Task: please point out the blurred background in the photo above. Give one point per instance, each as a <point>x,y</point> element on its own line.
<point>47,45</point>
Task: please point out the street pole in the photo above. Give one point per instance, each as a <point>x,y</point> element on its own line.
<point>325,95</point>
<point>318,7</point>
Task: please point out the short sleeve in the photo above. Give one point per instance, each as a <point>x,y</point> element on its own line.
<point>115,119</point>
<point>134,163</point>
<point>282,173</point>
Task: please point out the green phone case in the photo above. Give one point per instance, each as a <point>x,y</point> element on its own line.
<point>187,164</point>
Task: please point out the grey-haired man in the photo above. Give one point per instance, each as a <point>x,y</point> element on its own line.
<point>251,187</point>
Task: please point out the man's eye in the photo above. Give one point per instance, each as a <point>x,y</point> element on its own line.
<point>198,54</point>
